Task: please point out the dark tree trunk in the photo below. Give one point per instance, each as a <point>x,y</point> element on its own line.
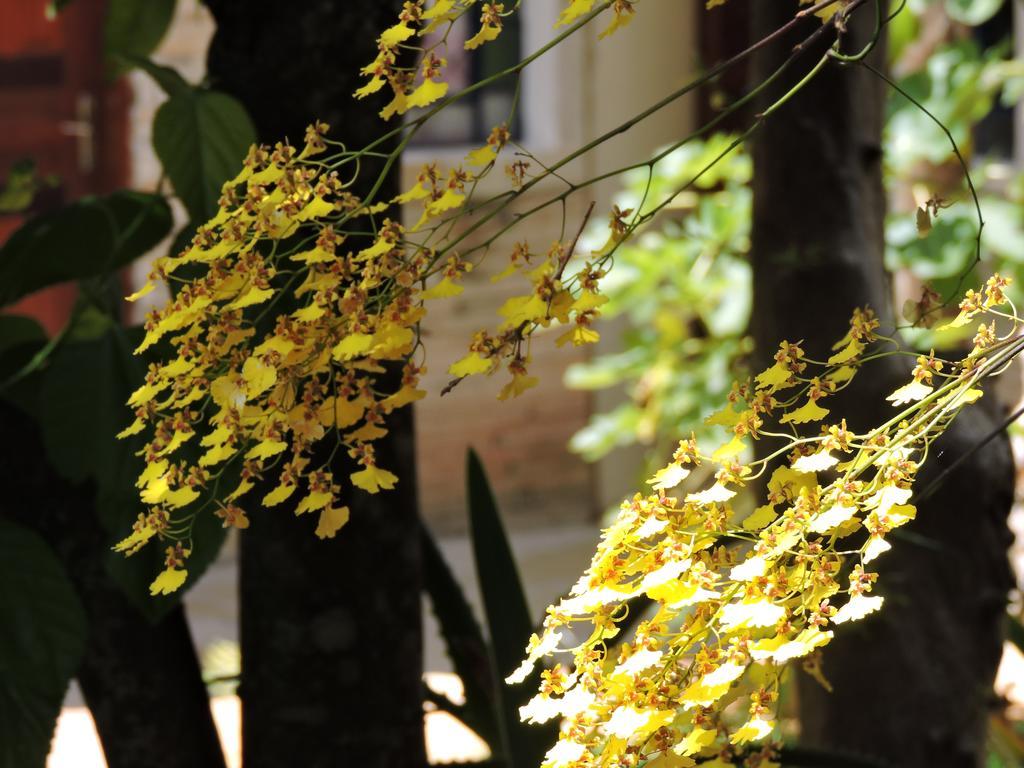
<point>142,681</point>
<point>330,635</point>
<point>912,683</point>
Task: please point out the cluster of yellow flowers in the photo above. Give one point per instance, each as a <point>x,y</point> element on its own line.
<point>282,341</point>
<point>739,598</point>
<point>422,84</point>
<point>305,299</point>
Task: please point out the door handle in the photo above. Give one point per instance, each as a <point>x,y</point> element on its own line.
<point>82,128</point>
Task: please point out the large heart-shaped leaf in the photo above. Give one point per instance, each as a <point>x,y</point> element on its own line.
<point>134,27</point>
<point>201,137</point>
<point>42,638</point>
<point>91,237</point>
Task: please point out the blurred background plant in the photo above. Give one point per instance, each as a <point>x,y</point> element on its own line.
<point>681,290</point>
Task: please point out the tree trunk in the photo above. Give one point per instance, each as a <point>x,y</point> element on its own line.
<point>142,681</point>
<point>330,630</point>
<point>912,683</point>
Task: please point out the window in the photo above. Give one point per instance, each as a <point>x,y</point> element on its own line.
<point>469,121</point>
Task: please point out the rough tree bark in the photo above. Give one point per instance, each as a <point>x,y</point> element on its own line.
<point>330,630</point>
<point>912,683</point>
<point>142,681</point>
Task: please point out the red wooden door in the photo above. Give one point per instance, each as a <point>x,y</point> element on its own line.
<point>58,109</point>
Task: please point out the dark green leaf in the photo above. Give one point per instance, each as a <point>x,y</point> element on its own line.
<point>134,27</point>
<point>21,339</point>
<point>508,616</point>
<point>16,331</point>
<point>508,619</point>
<point>84,391</point>
<point>463,640</point>
<point>42,639</point>
<point>89,238</point>
<point>201,137</point>
<point>142,221</point>
<point>172,83</point>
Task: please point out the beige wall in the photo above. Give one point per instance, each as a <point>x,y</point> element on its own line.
<point>573,94</point>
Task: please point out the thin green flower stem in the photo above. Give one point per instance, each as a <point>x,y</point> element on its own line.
<point>913,429</point>
<point>410,129</point>
<point>939,479</point>
<point>627,125</point>
<point>759,121</point>
<point>880,22</point>
<point>963,164</point>
<point>508,121</point>
<point>1007,351</point>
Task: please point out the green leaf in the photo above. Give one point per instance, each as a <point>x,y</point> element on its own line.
<point>83,393</point>
<point>17,331</point>
<point>201,137</point>
<point>464,641</point>
<point>41,645</point>
<point>20,187</point>
<point>91,237</point>
<point>973,12</point>
<point>135,28</point>
<point>21,339</point>
<point>141,219</point>
<point>508,619</point>
<point>168,78</point>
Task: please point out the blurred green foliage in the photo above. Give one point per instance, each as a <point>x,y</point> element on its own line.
<point>681,290</point>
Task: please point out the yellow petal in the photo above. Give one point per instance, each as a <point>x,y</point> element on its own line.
<point>147,288</point>
<point>811,411</point>
<point>734,447</point>
<point>372,479</point>
<point>442,290</point>
<point>258,377</point>
<point>576,9</point>
<point>353,345</point>
<point>314,501</point>
<point>483,156</point>
<point>265,449</point>
<point>251,297</point>
<point>331,521</point>
<point>909,393</point>
<point>850,352</point>
<point>278,495</point>
<point>181,497</point>
<point>470,365</point>
<point>487,33</point>
<point>169,580</point>
<point>428,92</point>
<point>399,33</point>
<point>669,477</point>
<point>775,378</point>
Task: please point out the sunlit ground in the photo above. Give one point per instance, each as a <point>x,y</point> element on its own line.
<point>77,745</point>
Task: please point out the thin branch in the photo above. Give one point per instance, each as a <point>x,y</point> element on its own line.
<point>935,484</point>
